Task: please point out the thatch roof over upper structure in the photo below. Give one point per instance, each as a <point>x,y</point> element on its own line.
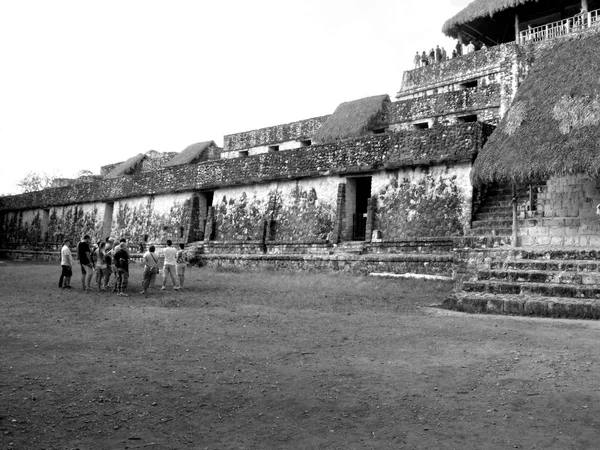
<point>126,167</point>
<point>351,119</point>
<point>191,154</point>
<point>478,9</point>
<point>553,125</point>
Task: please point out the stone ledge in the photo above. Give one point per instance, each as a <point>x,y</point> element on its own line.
<point>524,305</point>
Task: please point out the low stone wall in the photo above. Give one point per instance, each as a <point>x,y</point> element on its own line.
<point>353,264</point>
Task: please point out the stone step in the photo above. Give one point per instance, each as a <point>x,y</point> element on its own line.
<point>491,224</point>
<point>491,231</point>
<point>547,264</point>
<point>540,276</point>
<point>551,254</point>
<point>540,289</point>
<point>505,206</point>
<point>524,305</point>
<point>498,215</point>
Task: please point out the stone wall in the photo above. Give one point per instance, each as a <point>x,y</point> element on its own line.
<point>394,150</point>
<point>423,201</point>
<point>152,219</point>
<point>565,214</point>
<point>438,106</point>
<point>296,211</point>
<point>294,131</point>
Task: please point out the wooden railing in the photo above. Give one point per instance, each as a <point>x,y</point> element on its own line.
<point>563,27</point>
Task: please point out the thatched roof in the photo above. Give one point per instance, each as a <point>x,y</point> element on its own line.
<point>190,154</point>
<point>350,119</point>
<point>126,167</point>
<point>553,125</point>
<point>478,9</point>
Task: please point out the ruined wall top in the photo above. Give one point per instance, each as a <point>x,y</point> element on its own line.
<point>294,131</point>
<point>369,153</point>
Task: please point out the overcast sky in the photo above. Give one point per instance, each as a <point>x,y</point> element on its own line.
<point>84,84</point>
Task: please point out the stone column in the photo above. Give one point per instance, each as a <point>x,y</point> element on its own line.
<point>517,28</point>
<point>340,213</point>
<point>210,219</point>
<point>371,208</point>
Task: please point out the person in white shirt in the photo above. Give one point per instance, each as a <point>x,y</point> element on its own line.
<point>66,263</point>
<point>150,269</point>
<point>170,265</point>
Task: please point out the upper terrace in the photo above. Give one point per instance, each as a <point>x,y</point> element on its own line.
<point>458,73</point>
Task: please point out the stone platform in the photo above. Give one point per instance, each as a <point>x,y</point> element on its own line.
<point>545,282</point>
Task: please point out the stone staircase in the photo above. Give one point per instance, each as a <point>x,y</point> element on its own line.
<point>492,220</point>
<point>535,282</point>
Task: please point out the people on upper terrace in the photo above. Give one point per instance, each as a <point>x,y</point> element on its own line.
<point>458,49</point>
<point>417,60</point>
<point>470,47</point>
<point>424,59</point>
<point>438,54</point>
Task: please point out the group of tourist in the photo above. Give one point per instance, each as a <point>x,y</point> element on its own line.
<point>102,260</point>
<point>439,55</point>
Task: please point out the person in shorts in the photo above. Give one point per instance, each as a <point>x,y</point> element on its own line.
<point>66,264</point>
<point>170,265</point>
<point>85,260</point>
<point>121,260</point>
<point>181,264</point>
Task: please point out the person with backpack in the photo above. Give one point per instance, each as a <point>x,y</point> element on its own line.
<point>150,269</point>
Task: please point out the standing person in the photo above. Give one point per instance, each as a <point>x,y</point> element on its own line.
<point>438,54</point>
<point>150,269</point>
<point>121,260</point>
<point>111,243</point>
<point>417,60</point>
<point>458,48</point>
<point>431,56</point>
<point>170,264</point>
<point>85,260</point>
<point>470,47</point>
<point>182,262</point>
<point>424,60</point>
<point>444,54</point>
<point>66,263</point>
<point>102,270</point>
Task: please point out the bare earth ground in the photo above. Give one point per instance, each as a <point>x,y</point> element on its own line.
<point>285,361</point>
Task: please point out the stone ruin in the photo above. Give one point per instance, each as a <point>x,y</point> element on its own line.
<point>460,177</point>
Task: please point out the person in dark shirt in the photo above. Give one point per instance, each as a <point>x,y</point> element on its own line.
<point>85,260</point>
<point>121,261</point>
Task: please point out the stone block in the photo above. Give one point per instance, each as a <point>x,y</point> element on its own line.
<point>471,305</point>
<point>527,240</point>
<point>495,306</point>
<point>543,240</point>
<point>557,240</point>
<point>514,306</point>
<point>536,307</point>
<point>571,241</point>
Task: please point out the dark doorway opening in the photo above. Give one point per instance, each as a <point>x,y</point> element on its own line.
<point>200,204</point>
<point>363,193</point>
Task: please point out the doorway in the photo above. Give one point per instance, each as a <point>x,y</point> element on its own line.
<point>358,192</point>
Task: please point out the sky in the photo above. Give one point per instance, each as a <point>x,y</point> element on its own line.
<point>87,83</point>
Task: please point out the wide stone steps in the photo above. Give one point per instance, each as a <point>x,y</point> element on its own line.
<point>533,288</point>
<point>524,305</point>
<point>540,276</point>
<point>581,265</point>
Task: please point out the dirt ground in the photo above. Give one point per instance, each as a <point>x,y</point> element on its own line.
<point>285,361</point>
